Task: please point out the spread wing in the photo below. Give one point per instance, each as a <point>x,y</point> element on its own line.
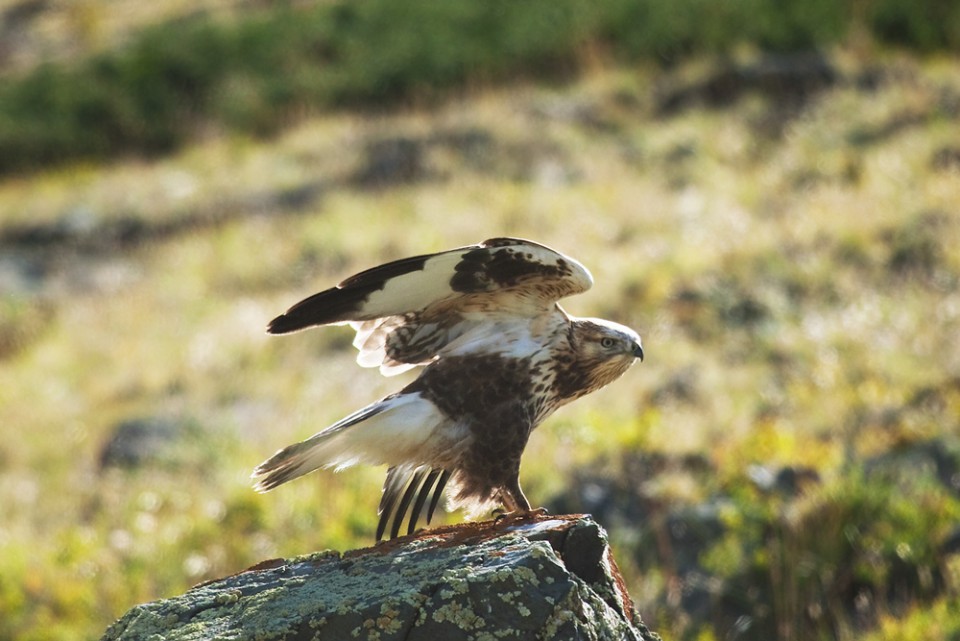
<point>405,312</point>
<point>399,488</point>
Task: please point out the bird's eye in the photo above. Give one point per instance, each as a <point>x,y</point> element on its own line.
<point>607,342</point>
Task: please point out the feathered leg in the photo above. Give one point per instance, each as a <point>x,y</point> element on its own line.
<point>516,506</point>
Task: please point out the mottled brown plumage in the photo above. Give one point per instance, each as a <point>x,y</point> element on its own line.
<point>499,356</point>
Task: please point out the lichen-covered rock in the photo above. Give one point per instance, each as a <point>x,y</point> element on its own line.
<point>547,578</point>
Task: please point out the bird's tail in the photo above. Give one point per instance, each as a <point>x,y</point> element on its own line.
<point>390,431</point>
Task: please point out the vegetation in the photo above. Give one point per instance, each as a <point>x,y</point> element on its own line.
<point>781,230</point>
<point>257,73</point>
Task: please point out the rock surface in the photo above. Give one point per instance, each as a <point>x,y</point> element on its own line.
<point>544,578</point>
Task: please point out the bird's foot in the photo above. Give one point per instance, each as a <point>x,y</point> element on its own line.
<point>517,516</point>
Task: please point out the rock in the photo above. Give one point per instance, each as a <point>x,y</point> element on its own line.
<point>151,440</point>
<point>787,481</point>
<point>543,578</point>
<point>946,158</point>
<point>21,274</point>
<point>913,464</point>
<point>393,161</point>
<point>788,79</point>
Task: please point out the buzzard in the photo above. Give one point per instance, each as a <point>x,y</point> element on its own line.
<point>499,355</point>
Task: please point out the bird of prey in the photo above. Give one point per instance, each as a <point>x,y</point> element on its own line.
<point>499,355</point>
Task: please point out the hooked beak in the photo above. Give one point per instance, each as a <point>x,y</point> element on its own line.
<point>638,352</point>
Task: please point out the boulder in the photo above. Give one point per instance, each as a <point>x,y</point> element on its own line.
<point>539,578</point>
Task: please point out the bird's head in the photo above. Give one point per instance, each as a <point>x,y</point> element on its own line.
<point>599,339</point>
<point>602,352</point>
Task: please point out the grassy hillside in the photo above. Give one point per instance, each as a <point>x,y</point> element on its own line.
<point>259,70</point>
<point>789,259</point>
<point>781,230</point>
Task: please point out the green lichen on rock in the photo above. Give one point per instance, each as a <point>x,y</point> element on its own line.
<point>471,583</point>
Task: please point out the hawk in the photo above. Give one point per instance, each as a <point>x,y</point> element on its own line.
<point>499,355</point>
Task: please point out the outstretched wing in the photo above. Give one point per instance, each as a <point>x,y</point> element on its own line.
<point>401,427</point>
<point>399,488</point>
<point>405,312</point>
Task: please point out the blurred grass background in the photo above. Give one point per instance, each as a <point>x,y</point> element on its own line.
<point>767,191</point>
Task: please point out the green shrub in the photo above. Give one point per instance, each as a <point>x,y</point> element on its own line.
<point>667,30</point>
<point>923,25</point>
<point>857,549</point>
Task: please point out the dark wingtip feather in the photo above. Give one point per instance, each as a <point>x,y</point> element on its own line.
<point>444,477</point>
<point>345,301</point>
<point>329,306</point>
<point>282,324</point>
<point>382,525</point>
<point>399,489</point>
<point>391,487</point>
<point>422,499</point>
<point>405,501</point>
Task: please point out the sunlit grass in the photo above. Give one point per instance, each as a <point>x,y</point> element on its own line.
<point>797,278</point>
